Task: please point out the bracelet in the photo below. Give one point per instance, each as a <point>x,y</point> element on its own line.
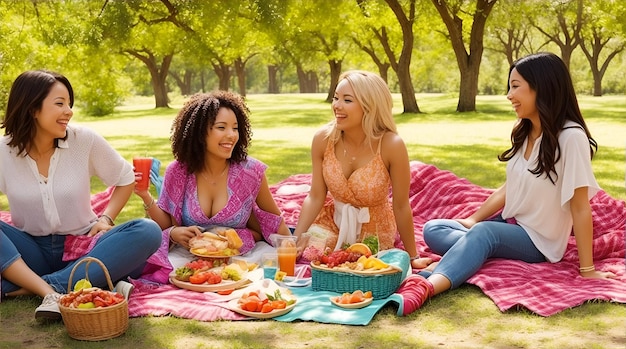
<point>148,206</point>
<point>411,259</point>
<point>587,269</point>
<point>108,218</point>
<point>171,239</point>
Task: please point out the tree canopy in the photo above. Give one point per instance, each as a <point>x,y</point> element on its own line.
<point>113,49</point>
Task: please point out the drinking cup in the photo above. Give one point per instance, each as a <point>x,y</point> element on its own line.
<point>143,165</point>
<point>287,253</point>
<point>269,262</point>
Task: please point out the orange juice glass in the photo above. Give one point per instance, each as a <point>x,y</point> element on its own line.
<point>287,253</point>
<point>143,165</point>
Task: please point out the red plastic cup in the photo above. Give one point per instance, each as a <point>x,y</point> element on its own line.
<point>143,165</point>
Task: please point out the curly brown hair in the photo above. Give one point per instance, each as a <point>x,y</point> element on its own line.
<point>197,116</point>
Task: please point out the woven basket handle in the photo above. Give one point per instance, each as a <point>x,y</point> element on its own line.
<point>89,260</point>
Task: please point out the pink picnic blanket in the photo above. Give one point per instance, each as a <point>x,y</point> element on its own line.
<point>543,288</point>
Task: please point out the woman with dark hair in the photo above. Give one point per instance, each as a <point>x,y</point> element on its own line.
<point>213,182</point>
<point>46,169</point>
<point>546,194</point>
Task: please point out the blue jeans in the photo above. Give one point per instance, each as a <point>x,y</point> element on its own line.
<point>123,250</point>
<point>465,250</point>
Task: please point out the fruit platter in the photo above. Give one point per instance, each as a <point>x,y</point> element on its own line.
<point>211,276</point>
<point>356,258</point>
<point>355,300</point>
<point>216,243</point>
<point>263,305</point>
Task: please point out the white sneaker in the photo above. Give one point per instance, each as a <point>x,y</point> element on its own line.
<point>125,288</point>
<point>49,308</point>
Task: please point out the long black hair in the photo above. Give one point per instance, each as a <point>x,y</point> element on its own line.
<point>556,102</point>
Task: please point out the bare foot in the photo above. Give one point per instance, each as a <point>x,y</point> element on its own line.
<point>421,263</point>
<point>432,266</point>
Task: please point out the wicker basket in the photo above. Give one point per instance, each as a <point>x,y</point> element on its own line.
<point>97,323</point>
<point>382,285</point>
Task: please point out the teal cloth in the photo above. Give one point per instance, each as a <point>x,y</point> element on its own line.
<point>316,305</point>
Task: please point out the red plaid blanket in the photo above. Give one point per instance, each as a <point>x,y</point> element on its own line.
<point>543,288</point>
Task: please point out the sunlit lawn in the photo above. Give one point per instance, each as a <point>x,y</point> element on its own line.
<point>283,125</point>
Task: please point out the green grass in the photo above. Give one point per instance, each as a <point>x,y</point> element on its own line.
<point>283,125</point>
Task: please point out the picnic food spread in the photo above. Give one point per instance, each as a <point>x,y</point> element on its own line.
<point>216,243</point>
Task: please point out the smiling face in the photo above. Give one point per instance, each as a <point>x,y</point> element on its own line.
<point>223,135</point>
<point>522,97</point>
<point>348,111</point>
<point>55,113</point>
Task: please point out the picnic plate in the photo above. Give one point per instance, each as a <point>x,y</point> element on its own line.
<point>291,281</point>
<point>224,285</point>
<point>233,305</point>
<point>358,305</point>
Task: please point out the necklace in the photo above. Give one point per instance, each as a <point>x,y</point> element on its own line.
<point>214,181</point>
<point>352,157</point>
<point>41,155</point>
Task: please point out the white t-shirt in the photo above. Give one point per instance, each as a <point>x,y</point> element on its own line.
<point>540,207</point>
<point>62,205</point>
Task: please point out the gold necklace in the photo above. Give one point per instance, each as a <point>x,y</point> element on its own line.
<point>214,182</point>
<point>353,156</point>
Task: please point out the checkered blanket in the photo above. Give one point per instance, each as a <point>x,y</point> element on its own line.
<point>543,288</point>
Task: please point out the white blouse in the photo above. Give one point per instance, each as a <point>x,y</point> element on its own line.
<point>540,207</point>
<point>61,204</point>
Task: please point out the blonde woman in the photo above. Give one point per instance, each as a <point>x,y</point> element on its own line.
<point>357,157</point>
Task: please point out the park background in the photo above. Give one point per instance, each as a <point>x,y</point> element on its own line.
<point>134,63</point>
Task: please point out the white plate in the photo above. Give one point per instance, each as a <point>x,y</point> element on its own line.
<point>291,281</point>
<point>358,305</point>
<point>234,306</point>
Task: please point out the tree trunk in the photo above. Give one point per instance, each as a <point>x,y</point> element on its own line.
<point>404,62</point>
<point>240,70</point>
<point>184,82</point>
<point>158,75</point>
<point>335,71</point>
<point>222,71</point>
<point>272,77</point>
<point>468,89</point>
<point>468,63</point>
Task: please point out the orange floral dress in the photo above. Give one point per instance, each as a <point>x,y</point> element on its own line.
<point>367,186</point>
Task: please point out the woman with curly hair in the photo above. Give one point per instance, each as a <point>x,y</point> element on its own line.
<point>213,182</point>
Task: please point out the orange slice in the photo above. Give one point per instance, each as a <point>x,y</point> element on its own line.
<point>360,248</point>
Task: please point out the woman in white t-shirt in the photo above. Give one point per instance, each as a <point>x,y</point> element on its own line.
<point>546,193</point>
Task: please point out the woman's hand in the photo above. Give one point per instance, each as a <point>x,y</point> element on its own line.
<point>100,227</point>
<point>141,193</point>
<point>598,274</point>
<point>466,222</point>
<point>182,235</point>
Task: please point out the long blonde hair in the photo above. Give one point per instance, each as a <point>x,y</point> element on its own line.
<point>373,94</point>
